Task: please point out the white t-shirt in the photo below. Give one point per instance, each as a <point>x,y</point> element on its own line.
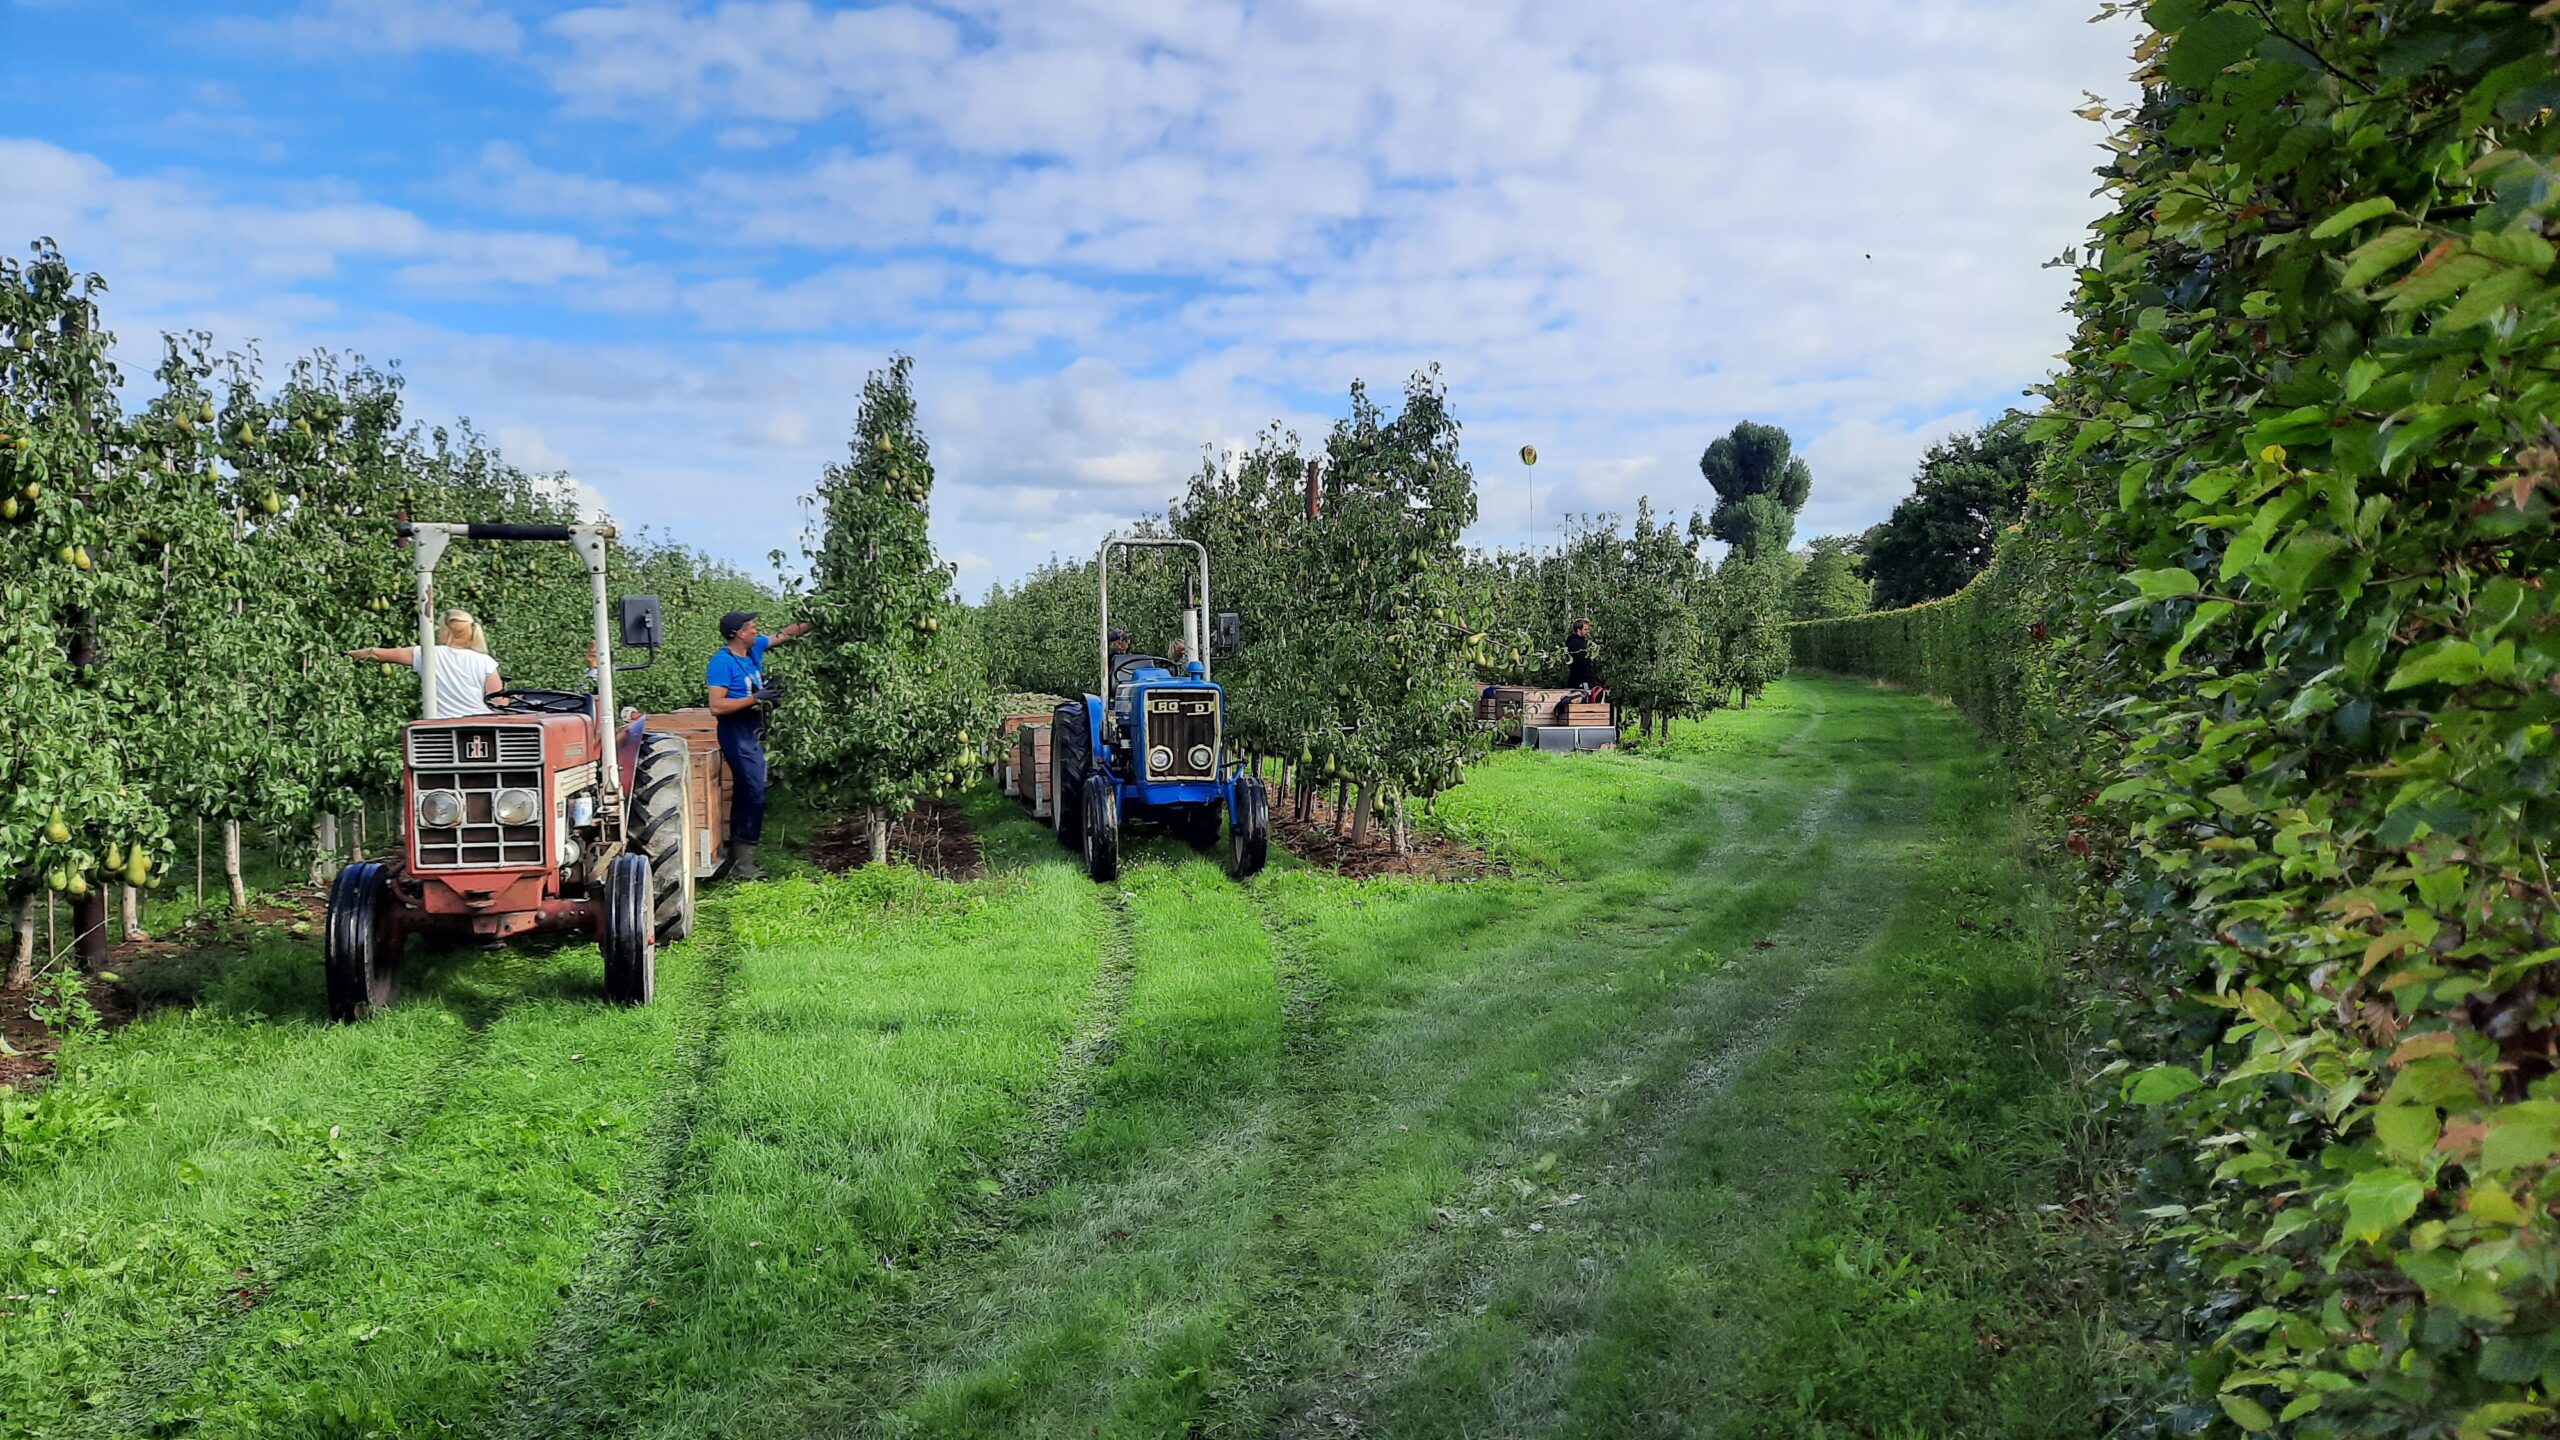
<point>462,677</point>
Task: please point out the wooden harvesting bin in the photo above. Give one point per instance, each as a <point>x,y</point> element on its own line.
<point>1515,705</point>
<point>1031,769</point>
<point>709,782</point>
<point>1007,764</point>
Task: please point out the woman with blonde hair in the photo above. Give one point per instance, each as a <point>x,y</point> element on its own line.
<point>465,675</point>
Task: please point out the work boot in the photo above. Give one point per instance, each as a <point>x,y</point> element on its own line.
<point>742,861</point>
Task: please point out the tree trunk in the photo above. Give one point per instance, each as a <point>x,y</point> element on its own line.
<point>1341,804</point>
<point>231,867</point>
<point>133,914</point>
<point>879,837</point>
<point>1360,817</point>
<point>324,849</point>
<point>22,962</point>
<point>199,862</point>
<point>1397,824</point>
<point>89,918</point>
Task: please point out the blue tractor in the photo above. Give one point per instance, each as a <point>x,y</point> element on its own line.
<point>1153,746</point>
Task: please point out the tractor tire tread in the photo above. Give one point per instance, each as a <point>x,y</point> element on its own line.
<point>659,802</point>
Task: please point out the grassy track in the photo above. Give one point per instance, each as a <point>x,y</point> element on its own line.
<point>1732,1113</point>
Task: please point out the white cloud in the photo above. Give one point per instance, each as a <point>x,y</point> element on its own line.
<point>335,27</point>
<point>167,240</point>
<point>508,180</point>
<point>1114,232</point>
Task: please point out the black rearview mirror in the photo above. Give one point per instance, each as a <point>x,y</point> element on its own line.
<point>641,623</point>
<point>1228,636</point>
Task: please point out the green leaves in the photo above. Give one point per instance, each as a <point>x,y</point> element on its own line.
<point>2307,760</point>
<point>2439,662</point>
<point>2384,252</point>
<point>2526,1133</point>
<point>2154,586</point>
<point>2216,41</point>
<point>2353,216</point>
<point>881,690</point>
<point>2379,1201</point>
<point>2161,1084</point>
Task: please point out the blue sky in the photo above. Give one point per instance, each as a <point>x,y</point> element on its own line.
<point>656,246</point>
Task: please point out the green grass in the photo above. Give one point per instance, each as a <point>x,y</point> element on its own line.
<point>1737,1109</point>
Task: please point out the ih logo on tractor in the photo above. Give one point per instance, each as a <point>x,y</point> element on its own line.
<point>478,749</point>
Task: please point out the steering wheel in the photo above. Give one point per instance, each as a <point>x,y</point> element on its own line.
<point>1121,665</point>
<point>541,702</point>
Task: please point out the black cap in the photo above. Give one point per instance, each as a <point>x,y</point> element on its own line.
<point>1119,634</point>
<point>733,622</point>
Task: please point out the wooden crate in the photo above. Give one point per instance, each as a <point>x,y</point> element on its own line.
<point>1581,714</point>
<point>1520,704</point>
<point>710,782</point>
<point>1031,768</point>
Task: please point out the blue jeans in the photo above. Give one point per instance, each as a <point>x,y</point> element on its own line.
<point>744,745</point>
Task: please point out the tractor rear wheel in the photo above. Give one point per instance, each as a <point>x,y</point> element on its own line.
<point>1066,806</point>
<point>630,931</point>
<point>360,945</point>
<point>1101,827</point>
<point>1249,837</point>
<point>661,824</point>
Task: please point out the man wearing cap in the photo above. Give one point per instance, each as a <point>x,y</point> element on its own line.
<point>741,699</point>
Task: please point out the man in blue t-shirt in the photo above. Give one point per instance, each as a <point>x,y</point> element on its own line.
<point>741,699</point>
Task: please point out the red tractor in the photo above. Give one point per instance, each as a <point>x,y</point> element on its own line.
<point>542,815</point>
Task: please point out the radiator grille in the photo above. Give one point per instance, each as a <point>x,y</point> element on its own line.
<point>448,746</point>
<point>476,762</point>
<point>1177,720</point>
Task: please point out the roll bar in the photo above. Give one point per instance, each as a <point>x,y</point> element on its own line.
<point>1190,616</point>
<point>429,538</point>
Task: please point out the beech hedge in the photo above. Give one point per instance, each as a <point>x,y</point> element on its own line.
<point>2279,631</point>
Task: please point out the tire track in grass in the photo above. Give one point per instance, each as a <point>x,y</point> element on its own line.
<point>1034,1157</point>
<point>1005,1200</point>
<point>536,1401</point>
<point>1103,1302</point>
<point>1501,1350</point>
<point>155,1352</point>
<point>409,1314</point>
<point>887,1034</point>
<point>1401,1306</point>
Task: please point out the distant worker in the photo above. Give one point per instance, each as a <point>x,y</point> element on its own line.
<point>1577,647</point>
<point>742,700</point>
<point>1119,643</point>
<point>465,675</point>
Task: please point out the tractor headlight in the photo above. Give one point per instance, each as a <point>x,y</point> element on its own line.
<point>517,807</point>
<point>1159,759</point>
<point>440,809</point>
<point>1200,757</point>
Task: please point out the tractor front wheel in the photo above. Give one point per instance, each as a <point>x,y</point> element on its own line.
<point>360,944</point>
<point>1249,835</point>
<point>630,931</point>
<point>661,818</point>
<point>1101,827</point>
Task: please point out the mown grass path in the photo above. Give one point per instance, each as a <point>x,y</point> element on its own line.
<point>1729,1113</point>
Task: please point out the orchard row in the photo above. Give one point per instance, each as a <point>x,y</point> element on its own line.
<point>180,583</point>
